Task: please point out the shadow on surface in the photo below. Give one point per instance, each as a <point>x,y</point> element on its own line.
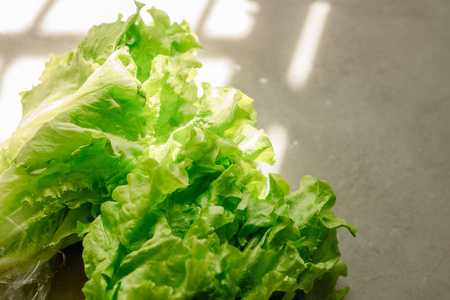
<point>32,42</point>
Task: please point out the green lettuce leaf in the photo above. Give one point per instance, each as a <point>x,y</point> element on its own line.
<point>192,223</point>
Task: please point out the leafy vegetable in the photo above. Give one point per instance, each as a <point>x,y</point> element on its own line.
<point>116,148</point>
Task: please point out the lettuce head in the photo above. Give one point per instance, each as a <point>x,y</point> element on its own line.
<point>116,148</point>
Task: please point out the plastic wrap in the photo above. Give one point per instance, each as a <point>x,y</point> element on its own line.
<point>32,279</point>
<point>32,283</point>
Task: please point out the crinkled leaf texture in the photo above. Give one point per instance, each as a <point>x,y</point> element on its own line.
<point>116,148</point>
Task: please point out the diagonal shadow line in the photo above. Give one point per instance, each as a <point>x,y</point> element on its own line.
<point>3,68</point>
<point>30,31</point>
<point>13,47</point>
<point>202,21</point>
<point>41,15</point>
<point>263,31</point>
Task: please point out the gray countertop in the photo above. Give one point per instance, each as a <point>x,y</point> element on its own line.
<point>370,114</point>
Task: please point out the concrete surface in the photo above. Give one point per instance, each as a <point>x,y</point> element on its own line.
<point>371,116</point>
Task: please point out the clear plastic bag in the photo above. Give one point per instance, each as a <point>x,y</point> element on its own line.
<point>30,284</point>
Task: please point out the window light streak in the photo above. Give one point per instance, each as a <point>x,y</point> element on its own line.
<point>20,76</point>
<point>231,19</point>
<point>77,17</point>
<point>217,71</point>
<point>65,16</point>
<point>17,16</point>
<point>278,135</point>
<point>179,10</point>
<point>306,49</point>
